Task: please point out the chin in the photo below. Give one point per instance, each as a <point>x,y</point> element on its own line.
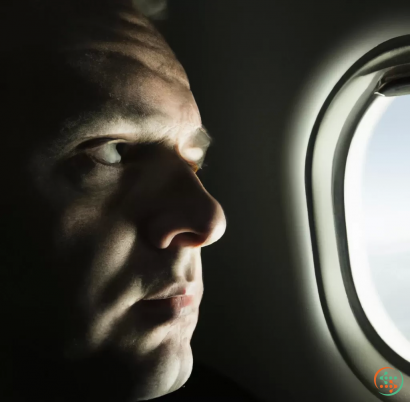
<point>132,363</point>
<point>166,377</point>
<point>126,374</point>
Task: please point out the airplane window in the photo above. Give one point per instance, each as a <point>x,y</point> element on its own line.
<point>358,193</point>
<point>377,208</point>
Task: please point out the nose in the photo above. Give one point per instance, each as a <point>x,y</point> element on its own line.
<point>188,215</point>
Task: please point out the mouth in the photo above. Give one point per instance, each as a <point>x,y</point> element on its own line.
<point>169,303</point>
<point>171,308</point>
<point>166,311</point>
<point>172,291</point>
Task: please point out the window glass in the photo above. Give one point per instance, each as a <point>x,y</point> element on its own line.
<point>377,206</point>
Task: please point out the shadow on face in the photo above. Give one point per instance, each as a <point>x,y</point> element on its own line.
<point>100,209</point>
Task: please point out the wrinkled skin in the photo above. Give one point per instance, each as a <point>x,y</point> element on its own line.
<point>84,242</point>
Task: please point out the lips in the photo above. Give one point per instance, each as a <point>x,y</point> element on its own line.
<point>168,309</point>
<point>173,290</point>
<point>175,303</point>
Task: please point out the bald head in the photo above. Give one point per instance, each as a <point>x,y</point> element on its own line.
<point>88,30</point>
<point>103,57</point>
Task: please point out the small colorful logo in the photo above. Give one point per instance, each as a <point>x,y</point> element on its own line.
<point>388,381</point>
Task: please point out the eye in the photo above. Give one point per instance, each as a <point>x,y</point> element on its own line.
<point>107,153</point>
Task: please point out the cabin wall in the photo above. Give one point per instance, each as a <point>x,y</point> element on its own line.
<point>260,72</point>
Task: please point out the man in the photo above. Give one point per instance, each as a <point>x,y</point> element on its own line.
<point>102,211</point>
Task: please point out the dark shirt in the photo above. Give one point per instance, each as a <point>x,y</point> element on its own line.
<point>206,385</point>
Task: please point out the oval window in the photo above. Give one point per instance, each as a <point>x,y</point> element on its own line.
<point>377,207</point>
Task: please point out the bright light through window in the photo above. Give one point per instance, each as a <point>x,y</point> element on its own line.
<point>377,206</point>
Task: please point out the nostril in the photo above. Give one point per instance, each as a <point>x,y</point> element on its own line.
<point>187,239</point>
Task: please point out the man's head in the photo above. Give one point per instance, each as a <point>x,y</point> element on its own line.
<point>101,206</point>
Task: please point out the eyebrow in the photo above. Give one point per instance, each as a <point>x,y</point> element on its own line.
<point>73,130</point>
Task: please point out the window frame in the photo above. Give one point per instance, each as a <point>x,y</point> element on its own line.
<point>385,68</point>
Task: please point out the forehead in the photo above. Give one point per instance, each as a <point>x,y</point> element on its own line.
<point>131,99</point>
<point>122,54</point>
<point>110,65</point>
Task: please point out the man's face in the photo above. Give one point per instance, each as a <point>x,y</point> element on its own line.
<point>102,209</point>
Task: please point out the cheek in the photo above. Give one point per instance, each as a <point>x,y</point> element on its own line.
<point>82,175</point>
<point>95,247</point>
<point>79,218</point>
<point>100,285</point>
